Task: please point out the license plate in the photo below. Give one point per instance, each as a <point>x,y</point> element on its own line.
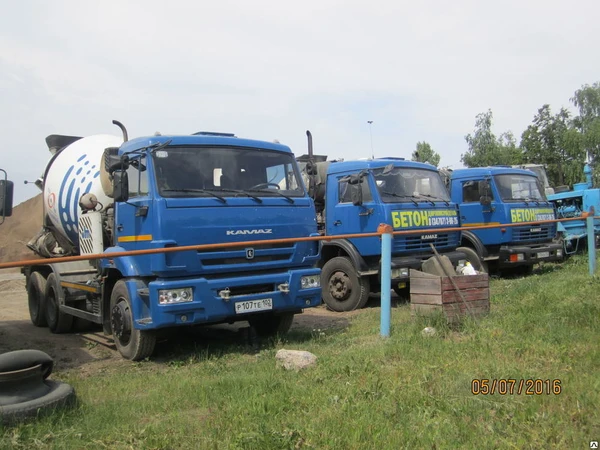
<point>543,254</point>
<point>253,306</point>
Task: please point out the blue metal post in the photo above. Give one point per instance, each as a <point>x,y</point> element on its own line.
<point>386,281</point>
<point>591,239</point>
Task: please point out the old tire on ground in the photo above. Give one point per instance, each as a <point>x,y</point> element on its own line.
<point>343,289</point>
<point>131,343</point>
<point>58,322</point>
<point>272,324</point>
<point>478,264</point>
<point>36,296</point>
<point>58,395</point>
<point>24,390</point>
<point>22,359</point>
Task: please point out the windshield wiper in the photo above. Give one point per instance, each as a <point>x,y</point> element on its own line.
<point>435,198</point>
<point>273,191</point>
<point>393,194</point>
<point>201,191</point>
<point>522,199</point>
<point>238,191</point>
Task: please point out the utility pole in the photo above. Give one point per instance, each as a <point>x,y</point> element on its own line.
<point>370,122</point>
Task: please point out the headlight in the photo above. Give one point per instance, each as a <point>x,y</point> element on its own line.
<point>310,281</point>
<point>399,273</point>
<point>180,295</point>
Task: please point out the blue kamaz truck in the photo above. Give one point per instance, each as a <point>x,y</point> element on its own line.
<point>106,194</point>
<point>499,196</point>
<point>354,197</point>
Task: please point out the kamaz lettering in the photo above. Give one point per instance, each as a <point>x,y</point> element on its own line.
<point>257,231</point>
<point>531,214</point>
<point>427,218</point>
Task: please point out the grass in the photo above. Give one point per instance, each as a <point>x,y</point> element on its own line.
<point>408,391</point>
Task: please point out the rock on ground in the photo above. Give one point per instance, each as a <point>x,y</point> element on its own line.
<point>295,359</point>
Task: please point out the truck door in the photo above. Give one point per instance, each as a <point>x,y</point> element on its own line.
<point>348,218</point>
<point>474,212</point>
<point>133,224</point>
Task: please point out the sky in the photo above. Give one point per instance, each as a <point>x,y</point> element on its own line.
<point>420,71</point>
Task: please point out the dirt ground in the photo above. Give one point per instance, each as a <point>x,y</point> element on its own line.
<point>91,351</point>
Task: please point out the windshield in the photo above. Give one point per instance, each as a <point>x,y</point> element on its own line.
<point>519,188</point>
<point>227,172</point>
<point>401,184</point>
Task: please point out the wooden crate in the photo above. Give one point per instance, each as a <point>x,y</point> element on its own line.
<point>431,294</point>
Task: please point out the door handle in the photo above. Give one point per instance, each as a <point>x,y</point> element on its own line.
<point>337,222</point>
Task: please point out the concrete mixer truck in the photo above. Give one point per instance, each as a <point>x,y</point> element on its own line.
<point>105,194</point>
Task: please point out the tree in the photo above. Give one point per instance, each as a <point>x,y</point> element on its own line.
<point>424,153</point>
<point>485,149</point>
<point>587,100</point>
<point>552,140</point>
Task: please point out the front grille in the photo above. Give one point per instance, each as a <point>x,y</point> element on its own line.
<point>532,234</point>
<point>229,258</point>
<point>416,243</point>
<point>256,259</point>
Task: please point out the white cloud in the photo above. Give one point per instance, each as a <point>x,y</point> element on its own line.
<point>271,69</point>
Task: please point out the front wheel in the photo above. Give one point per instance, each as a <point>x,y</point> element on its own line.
<point>132,344</point>
<point>272,324</point>
<point>343,288</point>
<point>476,261</point>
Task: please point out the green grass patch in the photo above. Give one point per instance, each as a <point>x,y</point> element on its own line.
<point>408,391</point>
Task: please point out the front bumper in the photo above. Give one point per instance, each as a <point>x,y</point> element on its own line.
<point>508,255</point>
<point>209,307</point>
<point>415,262</point>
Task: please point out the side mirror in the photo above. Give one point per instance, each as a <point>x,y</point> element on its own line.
<point>355,186</point>
<point>485,193</point>
<point>6,198</point>
<point>113,162</point>
<point>120,186</point>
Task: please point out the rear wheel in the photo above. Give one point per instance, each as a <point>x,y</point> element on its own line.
<point>473,257</point>
<point>36,296</point>
<point>343,288</point>
<point>272,324</point>
<point>132,344</point>
<point>58,322</point>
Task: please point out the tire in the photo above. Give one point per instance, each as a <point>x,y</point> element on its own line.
<point>131,343</point>
<point>478,264</point>
<point>23,359</point>
<point>36,296</point>
<point>58,321</point>
<point>59,395</point>
<point>343,289</point>
<point>272,324</point>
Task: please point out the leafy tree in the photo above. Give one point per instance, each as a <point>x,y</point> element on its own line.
<point>424,153</point>
<point>587,100</point>
<point>553,141</point>
<point>485,149</point>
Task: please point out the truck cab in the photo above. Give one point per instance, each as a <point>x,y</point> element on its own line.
<point>501,196</point>
<point>354,197</point>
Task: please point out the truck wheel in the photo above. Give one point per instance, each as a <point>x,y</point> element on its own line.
<point>272,324</point>
<point>58,322</point>
<point>343,289</point>
<point>132,344</point>
<point>478,264</point>
<point>36,296</point>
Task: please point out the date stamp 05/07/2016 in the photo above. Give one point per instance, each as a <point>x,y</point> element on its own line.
<point>515,386</point>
